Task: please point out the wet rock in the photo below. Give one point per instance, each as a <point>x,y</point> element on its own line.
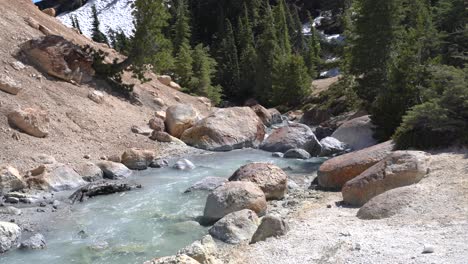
<point>202,250</point>
<point>96,96</point>
<point>137,159</point>
<point>226,129</point>
<point>8,85</point>
<point>37,241</point>
<point>400,168</point>
<point>277,154</point>
<point>357,133</point>
<point>60,58</point>
<point>207,184</point>
<point>180,118</point>
<point>179,259</point>
<point>10,233</point>
<point>335,172</point>
<point>114,170</point>
<point>10,179</point>
<point>232,197</point>
<point>184,164</point>
<point>235,227</point>
<point>271,179</point>
<point>293,136</point>
<point>297,153</point>
<point>54,177</point>
<point>271,226</point>
<point>159,163</point>
<point>332,147</point>
<point>31,121</point>
<point>89,171</point>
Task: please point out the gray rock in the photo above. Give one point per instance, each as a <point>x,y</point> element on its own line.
<point>10,180</point>
<point>428,249</point>
<point>54,177</point>
<point>323,132</point>
<point>145,131</point>
<point>10,233</point>
<point>332,147</point>
<point>297,154</point>
<point>271,226</point>
<point>207,184</point>
<point>8,85</point>
<point>236,227</point>
<point>184,164</point>
<point>276,117</point>
<point>277,154</point>
<point>290,137</point>
<point>292,185</point>
<point>10,210</point>
<point>37,241</point>
<point>234,196</point>
<point>357,133</point>
<point>113,170</point>
<point>89,171</point>
<point>159,163</point>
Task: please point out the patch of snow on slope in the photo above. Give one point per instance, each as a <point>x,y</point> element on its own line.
<point>112,14</point>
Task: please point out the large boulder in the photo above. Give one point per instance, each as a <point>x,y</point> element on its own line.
<point>31,121</point>
<point>54,177</point>
<point>263,114</point>
<point>10,233</point>
<point>408,200</point>
<point>179,118</point>
<point>332,147</point>
<point>178,259</point>
<point>8,85</point>
<point>270,178</point>
<point>335,172</point>
<point>60,58</point>
<point>137,159</point>
<point>114,170</point>
<point>236,227</point>
<point>271,226</point>
<point>89,171</point>
<point>207,184</point>
<point>226,129</point>
<point>400,168</point>
<point>290,137</point>
<point>10,180</point>
<point>357,133</point>
<point>202,250</point>
<point>232,197</point>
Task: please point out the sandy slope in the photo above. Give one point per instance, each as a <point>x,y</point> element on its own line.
<point>78,125</point>
<point>438,217</point>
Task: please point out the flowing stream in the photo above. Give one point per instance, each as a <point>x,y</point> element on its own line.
<point>156,220</point>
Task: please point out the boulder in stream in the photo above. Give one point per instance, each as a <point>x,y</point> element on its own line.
<point>236,227</point>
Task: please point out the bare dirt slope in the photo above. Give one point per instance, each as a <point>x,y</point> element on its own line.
<point>79,126</point>
<point>436,216</point>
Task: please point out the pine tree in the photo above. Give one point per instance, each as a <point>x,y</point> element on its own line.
<point>181,27</point>
<point>297,37</point>
<point>228,61</point>
<point>204,70</point>
<point>183,66</point>
<point>150,45</point>
<point>268,52</point>
<point>248,57</point>
<point>281,24</point>
<point>97,35</point>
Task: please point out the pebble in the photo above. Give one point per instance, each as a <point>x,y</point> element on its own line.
<point>40,210</point>
<point>86,156</point>
<point>428,249</point>
<point>329,206</point>
<point>42,204</point>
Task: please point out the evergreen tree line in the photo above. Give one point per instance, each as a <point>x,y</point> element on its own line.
<point>408,61</point>
<point>258,50</point>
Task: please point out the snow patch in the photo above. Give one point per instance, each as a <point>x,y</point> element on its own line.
<point>112,14</point>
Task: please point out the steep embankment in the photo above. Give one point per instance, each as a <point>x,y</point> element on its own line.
<point>78,126</point>
<point>433,214</point>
